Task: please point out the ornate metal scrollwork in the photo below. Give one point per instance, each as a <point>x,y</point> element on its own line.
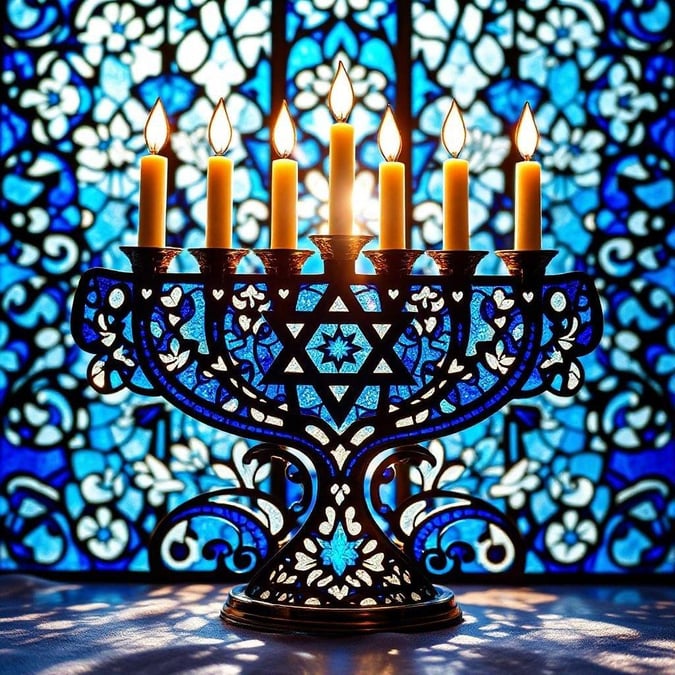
<point>340,367</point>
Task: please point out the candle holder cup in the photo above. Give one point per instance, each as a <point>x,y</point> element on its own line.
<point>150,261</point>
<point>339,376</point>
<point>458,265</point>
<point>393,261</point>
<point>339,251</point>
<point>283,262</point>
<point>218,263</point>
<point>527,266</point>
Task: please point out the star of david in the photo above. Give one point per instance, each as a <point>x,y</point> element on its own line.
<point>338,348</point>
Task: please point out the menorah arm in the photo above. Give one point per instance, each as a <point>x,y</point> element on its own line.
<point>461,354</point>
<point>101,325</point>
<point>523,341</point>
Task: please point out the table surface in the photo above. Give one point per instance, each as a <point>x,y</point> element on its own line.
<point>73,627</point>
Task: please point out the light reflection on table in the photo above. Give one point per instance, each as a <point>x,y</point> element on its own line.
<point>56,626</point>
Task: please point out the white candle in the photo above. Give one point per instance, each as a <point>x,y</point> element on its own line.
<point>284,220</point>
<point>152,199</point>
<point>528,184</point>
<point>392,184</point>
<point>455,183</point>
<point>342,156</point>
<point>219,181</point>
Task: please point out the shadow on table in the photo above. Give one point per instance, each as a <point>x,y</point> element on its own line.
<point>54,627</point>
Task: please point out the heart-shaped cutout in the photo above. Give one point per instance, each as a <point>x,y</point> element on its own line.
<point>283,292</point>
<point>218,293</point>
<point>393,293</point>
<point>528,296</point>
<point>146,292</point>
<point>173,298</point>
<point>457,295</point>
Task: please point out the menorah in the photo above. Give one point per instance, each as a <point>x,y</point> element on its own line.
<point>341,376</point>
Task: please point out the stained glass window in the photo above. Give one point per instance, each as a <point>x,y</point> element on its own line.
<point>84,478</point>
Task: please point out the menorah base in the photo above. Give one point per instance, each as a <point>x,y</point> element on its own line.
<point>241,610</point>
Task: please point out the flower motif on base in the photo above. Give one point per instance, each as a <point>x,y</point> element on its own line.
<point>339,552</point>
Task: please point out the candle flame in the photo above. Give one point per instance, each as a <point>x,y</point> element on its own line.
<point>283,136</point>
<point>341,95</point>
<point>156,128</point>
<point>388,137</point>
<point>527,134</point>
<point>220,129</point>
<point>453,132</point>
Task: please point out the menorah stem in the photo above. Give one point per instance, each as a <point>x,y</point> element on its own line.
<point>340,560</point>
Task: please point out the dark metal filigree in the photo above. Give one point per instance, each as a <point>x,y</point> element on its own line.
<point>252,524</point>
<point>340,369</point>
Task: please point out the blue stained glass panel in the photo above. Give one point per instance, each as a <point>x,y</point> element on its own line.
<point>84,478</point>
<point>581,476</point>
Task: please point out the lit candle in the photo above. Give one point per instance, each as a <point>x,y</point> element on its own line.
<point>219,181</point>
<point>455,183</point>
<point>528,184</point>
<point>284,225</point>
<point>392,184</point>
<point>341,155</point>
<point>152,200</point>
